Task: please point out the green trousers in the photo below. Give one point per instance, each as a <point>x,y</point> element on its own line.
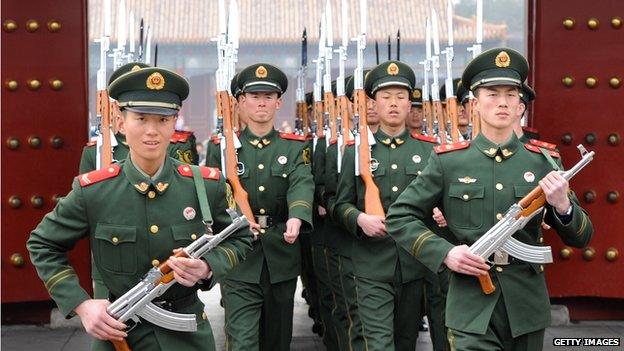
<point>497,337</point>
<point>258,316</point>
<point>436,287</point>
<point>327,299</point>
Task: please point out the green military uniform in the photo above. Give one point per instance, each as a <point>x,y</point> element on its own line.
<point>133,222</point>
<point>475,183</point>
<point>258,295</point>
<point>388,282</point>
<point>527,94</point>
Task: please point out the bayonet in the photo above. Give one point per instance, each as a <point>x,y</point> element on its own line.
<point>104,152</point>
<point>156,55</point>
<point>119,52</point>
<point>439,122</point>
<point>451,101</point>
<point>475,122</point>
<point>141,38</point>
<point>148,45</point>
<point>398,50</point>
<point>389,49</point>
<point>343,103</point>
<point>131,37</point>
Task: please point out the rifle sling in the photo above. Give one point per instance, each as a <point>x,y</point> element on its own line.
<point>200,188</point>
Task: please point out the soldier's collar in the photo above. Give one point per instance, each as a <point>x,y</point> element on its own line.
<point>258,140</point>
<point>142,183</point>
<point>389,140</point>
<point>121,138</point>
<point>490,149</point>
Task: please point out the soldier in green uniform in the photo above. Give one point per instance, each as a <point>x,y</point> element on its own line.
<point>475,182</point>
<point>388,283</point>
<point>135,213</point>
<point>527,94</point>
<point>275,171</point>
<point>415,118</point>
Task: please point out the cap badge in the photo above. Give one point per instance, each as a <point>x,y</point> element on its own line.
<point>189,213</point>
<point>502,59</point>
<point>261,72</point>
<point>393,69</point>
<point>155,81</point>
<point>416,94</point>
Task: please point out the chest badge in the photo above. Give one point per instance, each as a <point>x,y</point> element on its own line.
<point>189,213</point>
<point>282,160</point>
<point>416,158</point>
<point>467,180</point>
<point>529,177</point>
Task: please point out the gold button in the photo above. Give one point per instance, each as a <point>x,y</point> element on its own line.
<point>151,194</point>
<point>541,239</point>
<point>465,197</point>
<point>499,269</point>
<point>284,175</point>
<point>499,216</point>
<point>115,240</point>
<point>499,186</point>
<point>260,166</point>
<point>419,172</point>
<point>498,158</point>
<point>262,211</point>
<point>393,146</point>
<point>395,188</point>
<point>204,316</point>
<point>260,145</point>
<point>155,263</point>
<point>194,236</point>
<point>111,170</point>
<point>261,188</point>
<point>541,268</point>
<point>394,166</point>
<point>262,231</point>
<point>154,229</point>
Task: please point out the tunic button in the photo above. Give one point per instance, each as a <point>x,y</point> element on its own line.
<point>465,197</point>
<point>194,236</point>
<point>395,188</point>
<point>151,194</point>
<point>419,172</point>
<point>499,186</point>
<point>262,231</point>
<point>154,229</point>
<point>498,158</point>
<point>260,146</point>
<point>262,211</point>
<point>261,188</point>
<point>204,316</point>
<point>155,263</point>
<point>260,166</point>
<point>541,268</point>
<point>499,216</point>
<point>499,269</point>
<point>394,166</point>
<point>541,239</point>
<point>284,175</point>
<point>393,146</point>
<point>115,240</point>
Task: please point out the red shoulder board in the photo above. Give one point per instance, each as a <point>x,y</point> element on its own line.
<point>334,141</point>
<point>206,172</point>
<point>215,139</point>
<point>545,145</point>
<point>93,177</point>
<point>424,138</point>
<point>180,136</point>
<point>531,130</point>
<point>537,150</point>
<point>351,142</point>
<point>309,137</point>
<point>290,136</point>
<point>440,149</point>
<point>92,143</point>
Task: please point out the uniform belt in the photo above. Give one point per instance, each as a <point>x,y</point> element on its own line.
<point>178,304</point>
<point>501,258</point>
<point>264,221</point>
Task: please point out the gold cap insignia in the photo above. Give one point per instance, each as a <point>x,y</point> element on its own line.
<point>135,68</point>
<point>416,94</point>
<point>261,72</point>
<point>155,81</point>
<point>502,59</point>
<point>393,69</point>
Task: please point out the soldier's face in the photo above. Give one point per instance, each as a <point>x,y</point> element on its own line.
<point>415,118</point>
<point>392,105</point>
<point>260,107</point>
<point>498,106</point>
<point>462,116</point>
<point>147,135</point>
<point>371,115</point>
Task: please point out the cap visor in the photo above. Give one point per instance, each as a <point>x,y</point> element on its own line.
<point>261,88</point>
<point>153,110</point>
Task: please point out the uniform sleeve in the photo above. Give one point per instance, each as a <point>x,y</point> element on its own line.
<point>300,194</point>
<point>87,160</point>
<point>49,243</point>
<point>229,253</point>
<point>345,210</point>
<point>318,171</point>
<point>213,155</point>
<point>577,232</point>
<point>406,218</point>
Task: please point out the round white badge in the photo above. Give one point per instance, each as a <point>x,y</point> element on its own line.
<point>529,177</point>
<point>189,213</point>
<point>282,160</point>
<point>416,158</point>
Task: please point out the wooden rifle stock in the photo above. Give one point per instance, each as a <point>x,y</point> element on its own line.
<point>438,115</point>
<point>451,111</point>
<point>236,126</point>
<point>121,345</point>
<point>305,122</point>
<point>343,107</point>
<point>318,116</point>
<point>372,199</point>
<point>428,116</point>
<point>474,118</point>
<point>103,109</point>
<point>330,109</point>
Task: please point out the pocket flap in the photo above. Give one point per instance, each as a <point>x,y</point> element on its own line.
<point>115,234</point>
<point>185,231</point>
<point>412,169</point>
<point>466,192</point>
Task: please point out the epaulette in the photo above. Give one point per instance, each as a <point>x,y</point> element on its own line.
<point>91,143</point>
<point>215,139</point>
<point>424,138</point>
<point>291,136</point>
<point>537,150</point>
<point>333,141</point>
<point>351,142</point>
<point>440,149</point>
<point>530,130</point>
<point>180,136</point>
<point>99,175</point>
<point>206,172</point>
<point>545,145</point>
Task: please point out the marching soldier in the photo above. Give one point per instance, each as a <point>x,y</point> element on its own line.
<point>135,213</point>
<point>274,169</point>
<point>415,116</point>
<point>388,283</point>
<point>475,182</point>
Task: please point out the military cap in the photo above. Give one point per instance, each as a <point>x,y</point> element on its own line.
<point>128,67</point>
<point>234,88</point>
<point>349,87</point>
<point>334,87</point>
<point>416,97</point>
<point>461,92</point>
<point>498,66</point>
<point>262,77</point>
<point>527,94</point>
<point>456,81</point>
<point>389,73</point>
<point>152,90</point>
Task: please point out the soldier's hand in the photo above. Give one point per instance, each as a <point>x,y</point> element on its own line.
<point>188,271</point>
<point>254,228</point>
<point>322,211</point>
<point>460,260</point>
<point>439,217</point>
<point>556,190</point>
<point>372,226</point>
<point>292,230</point>
<point>97,322</point>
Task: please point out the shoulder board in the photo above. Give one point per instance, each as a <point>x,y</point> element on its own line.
<point>92,143</point>
<point>206,172</point>
<point>180,136</point>
<point>333,142</point>
<point>530,130</point>
<point>290,136</point>
<point>215,139</point>
<point>537,150</point>
<point>424,138</point>
<point>440,149</point>
<point>545,145</point>
<point>99,175</point>
<point>351,142</point>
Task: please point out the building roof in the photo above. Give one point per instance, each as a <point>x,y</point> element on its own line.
<point>195,22</point>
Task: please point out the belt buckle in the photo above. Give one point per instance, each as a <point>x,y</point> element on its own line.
<point>501,258</point>
<point>263,221</point>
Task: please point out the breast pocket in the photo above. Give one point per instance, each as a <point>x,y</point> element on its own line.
<point>115,248</point>
<point>184,234</point>
<point>466,205</point>
<point>279,176</point>
<point>412,172</point>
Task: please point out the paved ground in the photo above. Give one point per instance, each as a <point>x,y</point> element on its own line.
<point>27,337</point>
